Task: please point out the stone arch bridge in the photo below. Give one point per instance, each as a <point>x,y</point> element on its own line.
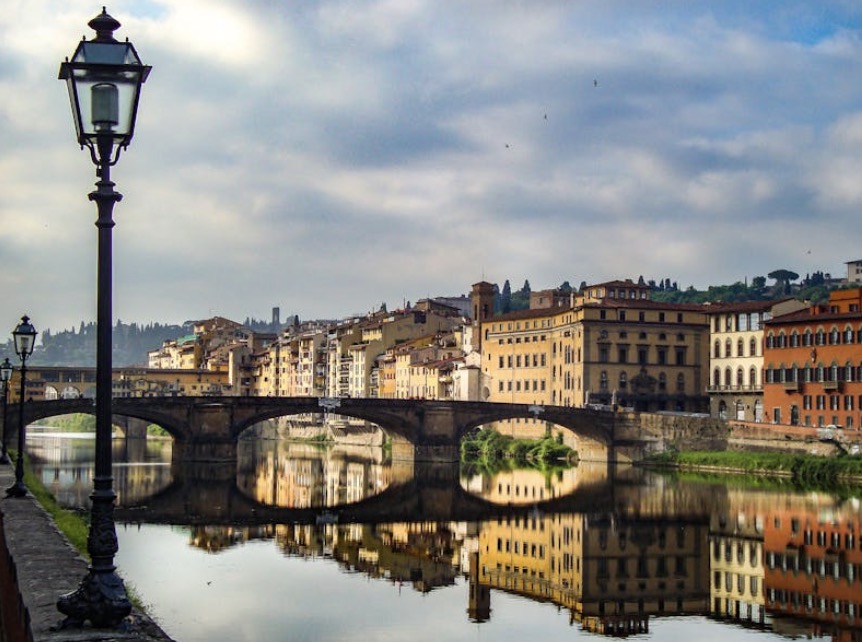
<point>207,428</point>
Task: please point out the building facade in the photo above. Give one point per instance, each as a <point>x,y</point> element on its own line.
<point>813,364</point>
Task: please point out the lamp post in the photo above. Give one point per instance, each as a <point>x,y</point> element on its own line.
<point>5,377</point>
<point>25,339</point>
<point>104,79</point>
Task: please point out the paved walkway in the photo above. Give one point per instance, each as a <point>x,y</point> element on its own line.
<point>46,566</point>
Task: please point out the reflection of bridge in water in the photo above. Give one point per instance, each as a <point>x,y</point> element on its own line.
<point>208,494</point>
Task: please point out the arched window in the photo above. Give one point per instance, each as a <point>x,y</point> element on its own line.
<point>752,377</point>
<point>739,378</point>
<point>716,349</point>
<point>727,347</point>
<point>740,348</point>
<point>752,347</point>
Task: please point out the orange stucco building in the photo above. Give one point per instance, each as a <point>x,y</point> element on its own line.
<point>813,364</point>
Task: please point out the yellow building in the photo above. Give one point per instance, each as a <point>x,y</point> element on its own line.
<point>612,347</point>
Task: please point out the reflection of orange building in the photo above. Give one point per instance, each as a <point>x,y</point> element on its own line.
<point>813,569</point>
<point>813,364</point>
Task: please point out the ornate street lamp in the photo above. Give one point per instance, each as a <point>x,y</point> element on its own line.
<point>104,78</point>
<point>5,377</point>
<point>25,340</point>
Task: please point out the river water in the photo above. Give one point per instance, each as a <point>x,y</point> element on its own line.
<point>270,550</point>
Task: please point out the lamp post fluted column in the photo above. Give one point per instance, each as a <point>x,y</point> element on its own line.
<point>101,597</point>
<point>104,79</point>
<point>6,378</point>
<point>24,335</point>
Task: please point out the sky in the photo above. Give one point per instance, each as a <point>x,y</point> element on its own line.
<point>328,157</point>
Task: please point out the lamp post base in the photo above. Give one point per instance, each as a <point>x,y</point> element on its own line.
<point>18,489</point>
<point>101,599</point>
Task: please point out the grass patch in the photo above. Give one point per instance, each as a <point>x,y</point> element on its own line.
<point>805,472</point>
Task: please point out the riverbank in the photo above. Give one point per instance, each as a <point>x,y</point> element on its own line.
<point>804,470</point>
<point>37,565</point>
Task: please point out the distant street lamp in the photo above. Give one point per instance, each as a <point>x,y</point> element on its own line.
<point>104,78</point>
<point>5,377</point>
<point>25,339</point>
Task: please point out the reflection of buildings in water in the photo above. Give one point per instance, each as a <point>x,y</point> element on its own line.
<point>215,539</point>
<point>612,574</point>
<point>813,558</point>
<point>140,470</point>
<point>736,559</point>
<point>524,486</point>
<point>295,475</point>
<point>424,555</point>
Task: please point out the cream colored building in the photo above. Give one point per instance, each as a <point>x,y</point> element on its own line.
<point>736,356</point>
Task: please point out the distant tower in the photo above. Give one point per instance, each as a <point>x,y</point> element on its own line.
<point>276,318</point>
<point>482,299</point>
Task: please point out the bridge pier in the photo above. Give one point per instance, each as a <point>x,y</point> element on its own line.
<point>406,452</point>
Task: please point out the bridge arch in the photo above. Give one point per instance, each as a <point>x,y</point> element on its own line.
<point>208,428</point>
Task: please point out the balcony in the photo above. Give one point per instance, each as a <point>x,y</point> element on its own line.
<point>747,388</point>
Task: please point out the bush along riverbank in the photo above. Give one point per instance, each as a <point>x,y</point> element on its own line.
<point>488,451</point>
<point>804,471</point>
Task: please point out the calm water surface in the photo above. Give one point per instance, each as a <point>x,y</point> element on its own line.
<point>647,557</point>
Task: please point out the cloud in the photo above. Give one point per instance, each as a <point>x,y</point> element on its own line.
<point>326,157</point>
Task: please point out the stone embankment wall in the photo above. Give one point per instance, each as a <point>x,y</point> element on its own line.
<point>641,434</point>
